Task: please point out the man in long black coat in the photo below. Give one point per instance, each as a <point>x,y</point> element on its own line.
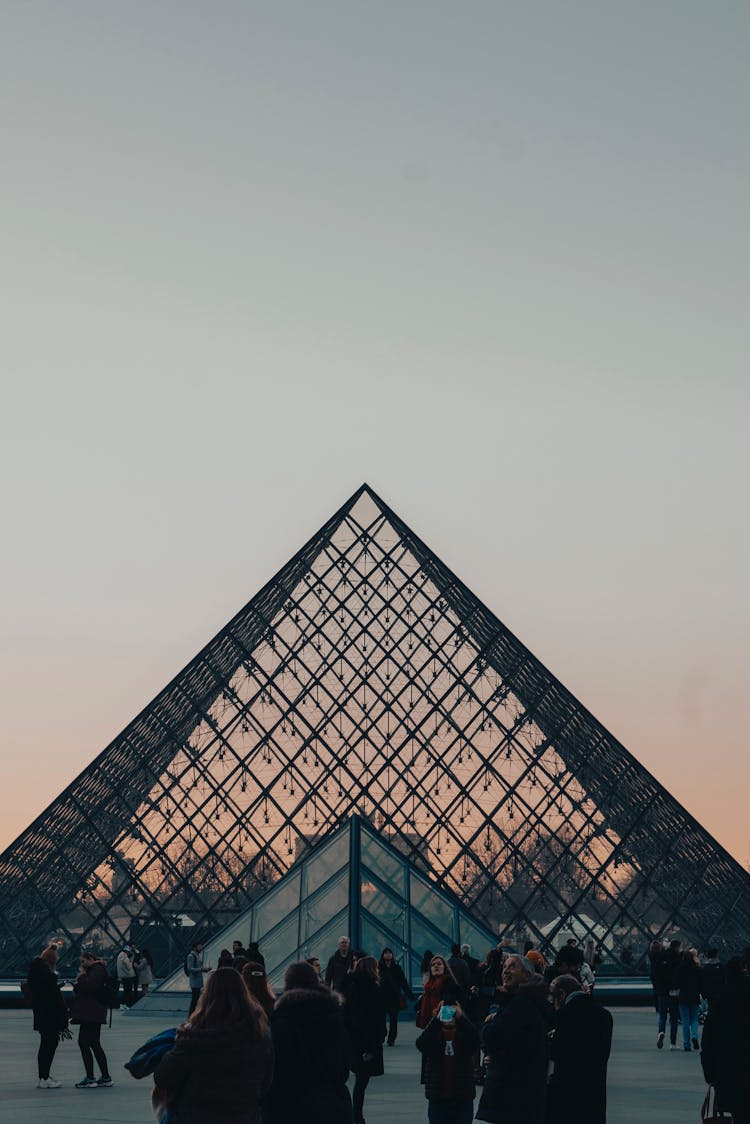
<point>726,1043</point>
<point>515,1040</point>
<point>577,1092</point>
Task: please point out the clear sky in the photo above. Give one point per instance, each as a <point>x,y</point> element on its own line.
<point>490,257</point>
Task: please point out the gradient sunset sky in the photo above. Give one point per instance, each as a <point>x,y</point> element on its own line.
<point>491,258</point>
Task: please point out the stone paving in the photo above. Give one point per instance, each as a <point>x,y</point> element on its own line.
<point>645,1085</point>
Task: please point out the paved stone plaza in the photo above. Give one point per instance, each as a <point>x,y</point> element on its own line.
<point>644,1084</point>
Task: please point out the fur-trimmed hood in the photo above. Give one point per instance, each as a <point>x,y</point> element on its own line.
<point>319,1000</point>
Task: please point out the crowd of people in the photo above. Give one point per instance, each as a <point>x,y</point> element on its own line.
<point>689,991</point>
<point>528,1036</point>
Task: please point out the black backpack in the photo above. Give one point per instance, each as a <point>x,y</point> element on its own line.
<point>109,996</point>
<point>185,968</point>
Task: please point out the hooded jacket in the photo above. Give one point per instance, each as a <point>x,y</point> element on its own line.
<point>312,1060</point>
<point>516,1042</point>
<point>87,1006</point>
<point>215,1076</point>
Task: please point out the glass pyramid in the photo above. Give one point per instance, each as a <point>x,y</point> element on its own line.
<point>366,679</point>
<point>352,884</point>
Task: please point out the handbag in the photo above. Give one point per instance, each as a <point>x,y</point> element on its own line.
<point>715,1115</point>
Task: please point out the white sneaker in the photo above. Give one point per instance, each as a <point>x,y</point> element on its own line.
<point>48,1083</point>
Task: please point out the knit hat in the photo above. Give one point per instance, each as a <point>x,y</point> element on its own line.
<point>536,958</point>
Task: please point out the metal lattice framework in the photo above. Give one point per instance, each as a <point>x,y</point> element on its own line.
<point>365,677</point>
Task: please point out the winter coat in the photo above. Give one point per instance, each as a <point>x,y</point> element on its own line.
<point>215,1076</point>
<point>431,1044</point>
<point>87,1006</point>
<point>364,1016</point>
<point>393,985</point>
<point>580,1050</point>
<point>664,971</point>
<point>688,980</point>
<point>147,1057</point>
<point>143,972</point>
<point>125,967</point>
<point>337,968</point>
<point>725,1046</point>
<point>516,1042</point>
<point>50,1012</point>
<point>311,1067</point>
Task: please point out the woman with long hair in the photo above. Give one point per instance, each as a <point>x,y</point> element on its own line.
<point>88,1011</point>
<point>365,1021</point>
<point>256,982</point>
<point>50,1012</point>
<point>220,1066</point>
<point>440,986</point>
<point>311,1050</point>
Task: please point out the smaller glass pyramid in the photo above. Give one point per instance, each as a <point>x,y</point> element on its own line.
<point>352,884</point>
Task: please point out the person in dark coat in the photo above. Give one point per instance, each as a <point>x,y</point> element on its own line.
<point>50,1012</point>
<point>448,1048</point>
<point>581,1044</point>
<point>460,969</point>
<point>393,987</point>
<point>221,1064</point>
<point>664,980</point>
<point>515,1040</point>
<point>88,1011</point>
<point>311,1048</point>
<point>364,1016</point>
<point>339,965</point>
<point>725,1046</point>
<point>688,979</point>
<point>253,953</point>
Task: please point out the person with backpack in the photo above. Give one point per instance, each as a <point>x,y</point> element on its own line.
<point>89,1011</point>
<point>364,1016</point>
<point>50,1012</point>
<point>220,1066</point>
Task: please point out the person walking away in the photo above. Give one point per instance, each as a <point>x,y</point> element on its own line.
<point>448,1047</point>
<point>256,982</point>
<point>195,971</point>
<point>144,972</point>
<point>725,1046</point>
<point>689,998</point>
<point>655,949</point>
<point>88,1011</point>
<point>339,964</point>
<point>664,979</point>
<point>50,1012</point>
<point>126,975</point>
<point>221,1064</point>
<point>364,1016</point>
<point>515,1041</point>
<point>226,960</point>
<point>581,1044</point>
<point>311,1048</point>
<point>395,990</point>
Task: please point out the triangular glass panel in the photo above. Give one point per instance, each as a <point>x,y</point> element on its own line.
<point>370,901</point>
